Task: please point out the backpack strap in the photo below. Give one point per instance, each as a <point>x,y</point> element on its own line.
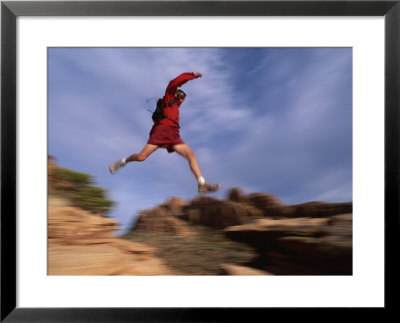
<point>171,102</point>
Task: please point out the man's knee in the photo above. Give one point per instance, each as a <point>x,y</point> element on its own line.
<point>190,156</point>
<point>185,151</point>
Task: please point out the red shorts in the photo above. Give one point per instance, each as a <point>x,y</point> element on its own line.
<point>164,137</point>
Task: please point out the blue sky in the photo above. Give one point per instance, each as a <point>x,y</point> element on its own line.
<point>275,120</point>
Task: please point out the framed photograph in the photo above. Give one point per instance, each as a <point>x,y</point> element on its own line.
<point>286,85</point>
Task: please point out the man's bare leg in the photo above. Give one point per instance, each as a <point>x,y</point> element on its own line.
<point>146,151</point>
<point>185,151</point>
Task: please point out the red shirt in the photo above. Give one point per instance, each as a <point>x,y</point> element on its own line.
<point>172,111</point>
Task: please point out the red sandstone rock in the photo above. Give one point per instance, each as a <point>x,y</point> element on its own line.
<point>80,243</point>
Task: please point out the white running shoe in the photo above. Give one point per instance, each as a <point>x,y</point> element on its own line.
<point>117,165</point>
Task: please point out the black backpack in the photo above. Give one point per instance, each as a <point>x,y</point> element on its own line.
<point>158,114</point>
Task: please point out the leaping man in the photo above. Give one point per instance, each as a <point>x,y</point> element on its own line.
<point>165,133</point>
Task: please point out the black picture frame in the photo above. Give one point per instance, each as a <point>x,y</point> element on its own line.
<point>10,10</point>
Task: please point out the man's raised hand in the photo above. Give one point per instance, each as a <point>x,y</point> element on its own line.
<point>197,75</point>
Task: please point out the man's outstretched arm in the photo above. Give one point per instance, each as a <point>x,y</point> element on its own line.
<point>180,80</point>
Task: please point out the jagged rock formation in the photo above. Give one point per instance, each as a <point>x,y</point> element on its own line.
<point>306,239</point>
<point>312,238</point>
<point>82,243</point>
<point>218,213</point>
<point>310,209</point>
<point>300,246</point>
<point>164,218</point>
